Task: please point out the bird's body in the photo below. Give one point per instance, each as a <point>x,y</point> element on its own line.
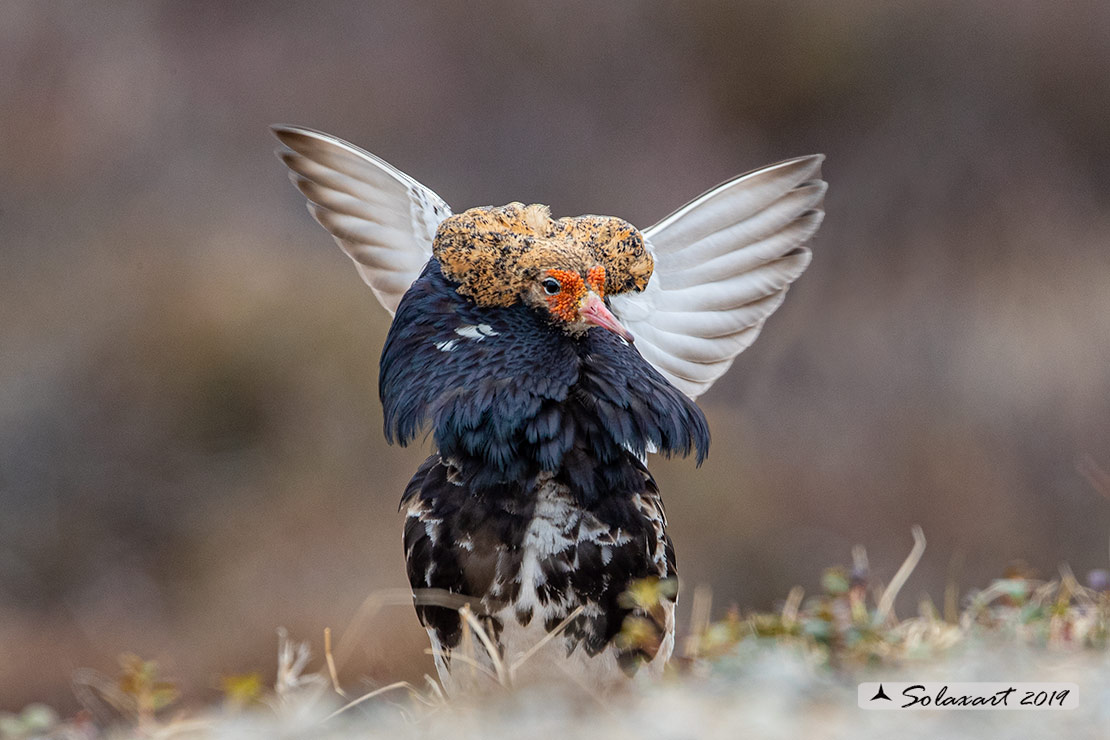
<point>535,558</point>
<point>536,501</point>
<point>511,343</point>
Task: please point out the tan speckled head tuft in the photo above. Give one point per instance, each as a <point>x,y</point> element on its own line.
<point>617,245</point>
<point>496,252</point>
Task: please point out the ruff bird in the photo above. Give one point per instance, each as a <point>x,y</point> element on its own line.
<point>548,357</point>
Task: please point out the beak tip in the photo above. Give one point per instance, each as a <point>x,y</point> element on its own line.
<point>595,313</point>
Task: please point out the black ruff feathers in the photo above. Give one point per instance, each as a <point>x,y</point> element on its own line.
<point>509,396</point>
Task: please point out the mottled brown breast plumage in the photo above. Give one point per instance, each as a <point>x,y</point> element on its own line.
<point>495,252</point>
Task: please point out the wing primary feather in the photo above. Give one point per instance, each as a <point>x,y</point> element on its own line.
<point>747,195</point>
<point>717,323</point>
<point>735,291</point>
<point>783,243</point>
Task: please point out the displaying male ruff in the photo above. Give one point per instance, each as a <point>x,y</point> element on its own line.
<point>549,357</point>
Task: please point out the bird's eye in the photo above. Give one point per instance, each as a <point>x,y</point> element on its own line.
<point>551,286</point>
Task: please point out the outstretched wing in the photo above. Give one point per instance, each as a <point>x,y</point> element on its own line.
<point>723,263</point>
<point>382,218</point>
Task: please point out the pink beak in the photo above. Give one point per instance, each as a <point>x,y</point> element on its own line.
<point>595,313</point>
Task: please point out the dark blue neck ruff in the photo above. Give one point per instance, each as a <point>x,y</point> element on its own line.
<point>509,395</point>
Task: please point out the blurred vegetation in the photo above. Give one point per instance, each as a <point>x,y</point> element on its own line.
<point>190,446</point>
<point>813,652</point>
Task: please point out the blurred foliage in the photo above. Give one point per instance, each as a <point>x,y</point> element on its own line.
<point>140,681</point>
<point>242,690</point>
<point>840,636</point>
<point>34,721</point>
<point>844,626</point>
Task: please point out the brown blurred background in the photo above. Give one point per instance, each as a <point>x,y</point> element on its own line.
<point>190,438</point>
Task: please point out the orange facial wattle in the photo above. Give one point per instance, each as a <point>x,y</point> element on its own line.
<point>596,278</point>
<point>564,304</point>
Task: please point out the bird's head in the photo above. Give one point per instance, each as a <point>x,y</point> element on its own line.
<point>504,255</point>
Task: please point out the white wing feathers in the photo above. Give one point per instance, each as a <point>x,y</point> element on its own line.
<point>723,262</point>
<point>382,218</point>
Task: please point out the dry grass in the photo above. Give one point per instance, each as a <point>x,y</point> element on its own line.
<point>790,672</point>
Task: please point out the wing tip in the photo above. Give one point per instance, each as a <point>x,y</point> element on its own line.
<point>295,141</point>
<point>794,173</point>
<point>805,257</point>
<point>305,141</point>
<point>814,160</point>
<point>806,167</point>
<point>807,162</point>
<point>816,157</point>
<point>284,131</point>
<point>817,190</point>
